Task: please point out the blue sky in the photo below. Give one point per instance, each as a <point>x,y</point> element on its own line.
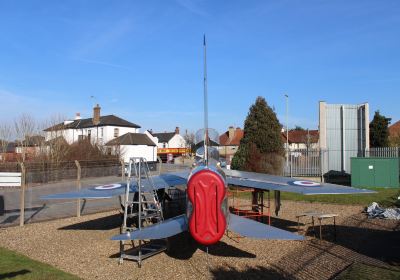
<point>143,60</point>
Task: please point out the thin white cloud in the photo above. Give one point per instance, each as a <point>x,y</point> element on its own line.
<point>104,63</point>
<point>104,38</point>
<point>192,6</point>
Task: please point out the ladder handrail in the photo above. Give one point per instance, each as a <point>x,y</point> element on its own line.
<point>139,168</point>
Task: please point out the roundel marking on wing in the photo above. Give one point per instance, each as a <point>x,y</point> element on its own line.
<point>108,187</point>
<point>306,184</point>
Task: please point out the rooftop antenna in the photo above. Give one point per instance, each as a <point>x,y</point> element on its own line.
<point>206,138</point>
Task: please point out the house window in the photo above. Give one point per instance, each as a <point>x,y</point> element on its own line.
<point>116,132</point>
<point>164,145</point>
<point>89,133</point>
<point>101,132</point>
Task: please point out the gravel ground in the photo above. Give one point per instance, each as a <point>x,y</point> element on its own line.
<point>81,246</point>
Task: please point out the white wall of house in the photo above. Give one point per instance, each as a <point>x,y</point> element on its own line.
<point>177,141</point>
<point>161,145</point>
<point>100,134</point>
<point>152,138</point>
<point>111,132</point>
<point>147,152</point>
<point>294,146</point>
<point>67,134</point>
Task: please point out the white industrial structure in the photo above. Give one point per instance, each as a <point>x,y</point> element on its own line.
<point>343,133</point>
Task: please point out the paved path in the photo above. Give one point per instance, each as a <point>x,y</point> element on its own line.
<point>40,210</point>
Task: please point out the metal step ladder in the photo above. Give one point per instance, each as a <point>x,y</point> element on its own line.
<point>143,208</point>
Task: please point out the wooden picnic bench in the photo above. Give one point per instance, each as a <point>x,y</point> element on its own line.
<point>320,216</point>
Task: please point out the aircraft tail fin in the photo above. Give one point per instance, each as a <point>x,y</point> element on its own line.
<point>161,230</point>
<point>253,229</point>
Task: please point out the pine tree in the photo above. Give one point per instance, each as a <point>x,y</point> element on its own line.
<point>378,131</point>
<point>261,148</point>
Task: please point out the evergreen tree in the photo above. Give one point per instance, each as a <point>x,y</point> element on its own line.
<point>297,127</point>
<point>261,148</point>
<point>378,131</point>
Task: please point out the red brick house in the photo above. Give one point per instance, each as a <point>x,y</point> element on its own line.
<point>302,139</point>
<point>229,143</point>
<point>394,134</point>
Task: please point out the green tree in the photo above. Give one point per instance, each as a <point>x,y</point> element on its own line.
<point>378,131</point>
<point>297,127</point>
<point>261,148</point>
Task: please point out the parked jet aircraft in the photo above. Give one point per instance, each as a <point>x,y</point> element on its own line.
<point>208,215</point>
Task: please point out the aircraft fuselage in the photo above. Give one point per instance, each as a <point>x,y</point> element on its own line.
<point>207,204</point>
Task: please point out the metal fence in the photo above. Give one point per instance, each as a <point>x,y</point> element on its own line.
<point>303,162</point>
<point>384,152</point>
<point>316,162</point>
<point>22,203</point>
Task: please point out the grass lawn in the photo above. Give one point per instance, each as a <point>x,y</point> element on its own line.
<point>385,197</point>
<point>363,271</point>
<point>16,266</point>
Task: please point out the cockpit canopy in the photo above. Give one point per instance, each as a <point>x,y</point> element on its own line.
<point>213,143</point>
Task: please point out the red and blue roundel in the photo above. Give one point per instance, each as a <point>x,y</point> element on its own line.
<point>306,183</point>
<point>108,187</point>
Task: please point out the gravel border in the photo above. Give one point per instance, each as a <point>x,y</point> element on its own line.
<point>82,247</point>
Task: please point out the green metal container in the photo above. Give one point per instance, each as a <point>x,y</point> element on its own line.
<point>375,172</point>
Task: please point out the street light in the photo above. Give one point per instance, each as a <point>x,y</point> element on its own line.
<point>287,130</point>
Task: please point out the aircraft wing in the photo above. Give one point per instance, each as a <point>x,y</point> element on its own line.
<point>164,229</point>
<point>161,181</point>
<point>241,225</point>
<point>285,184</point>
<point>253,229</point>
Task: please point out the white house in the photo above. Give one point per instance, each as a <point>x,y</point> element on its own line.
<point>134,145</point>
<point>170,139</point>
<point>119,135</point>
<point>169,143</point>
<point>98,129</point>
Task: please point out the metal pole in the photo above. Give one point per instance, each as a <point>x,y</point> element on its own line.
<point>287,129</point>
<point>78,187</point>
<point>22,196</point>
<point>160,165</point>
<point>205,105</point>
<point>122,169</point>
<point>343,140</point>
<point>140,210</point>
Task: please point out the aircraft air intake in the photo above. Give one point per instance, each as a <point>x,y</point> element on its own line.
<point>207,193</point>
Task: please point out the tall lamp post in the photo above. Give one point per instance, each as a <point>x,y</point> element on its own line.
<point>287,130</point>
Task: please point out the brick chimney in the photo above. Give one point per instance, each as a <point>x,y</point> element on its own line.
<point>231,132</point>
<point>177,130</point>
<point>96,115</point>
<point>77,116</point>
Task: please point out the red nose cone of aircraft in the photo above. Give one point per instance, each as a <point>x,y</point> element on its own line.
<point>206,191</point>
